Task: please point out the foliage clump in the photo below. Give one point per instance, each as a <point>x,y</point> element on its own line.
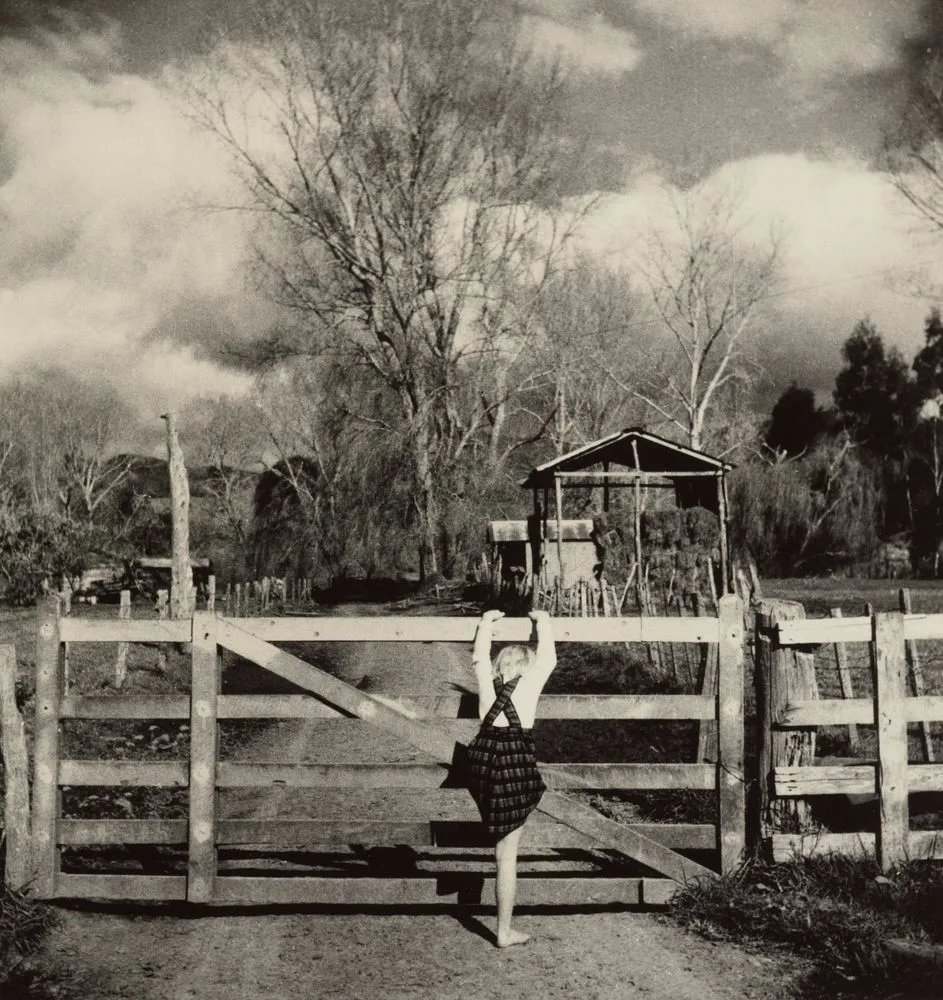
<point>24,923</point>
<point>838,911</point>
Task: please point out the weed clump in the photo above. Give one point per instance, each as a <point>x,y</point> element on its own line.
<point>24,923</point>
<point>838,911</point>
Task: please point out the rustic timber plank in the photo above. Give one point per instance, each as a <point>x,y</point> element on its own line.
<point>574,814</point>
<point>857,779</point>
<point>152,888</point>
<point>539,832</point>
<point>335,691</point>
<point>121,831</point>
<point>566,706</point>
<point>204,691</point>
<point>17,829</point>
<point>837,712</point>
<point>844,675</point>
<point>730,778</point>
<point>134,630</point>
<point>45,806</point>
<point>818,631</point>
<point>920,844</point>
<point>826,712</point>
<point>455,629</point>
<point>170,773</point>
<point>925,777</point>
<point>915,669</point>
<point>890,692</point>
<point>787,846</point>
<point>615,835</point>
<point>237,774</point>
<point>125,707</point>
<point>531,891</point>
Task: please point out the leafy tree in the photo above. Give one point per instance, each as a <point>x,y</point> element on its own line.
<point>873,391</point>
<point>796,422</point>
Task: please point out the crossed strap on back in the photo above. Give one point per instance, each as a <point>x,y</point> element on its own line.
<point>503,703</point>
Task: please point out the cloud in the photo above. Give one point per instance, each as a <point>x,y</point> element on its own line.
<point>104,236</point>
<point>585,40</point>
<point>849,250</point>
<point>816,40</point>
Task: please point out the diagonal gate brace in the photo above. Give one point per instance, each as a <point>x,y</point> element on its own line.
<point>607,832</point>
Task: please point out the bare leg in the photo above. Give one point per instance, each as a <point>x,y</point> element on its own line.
<point>505,856</point>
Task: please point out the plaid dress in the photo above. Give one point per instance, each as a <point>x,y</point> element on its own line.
<point>502,769</point>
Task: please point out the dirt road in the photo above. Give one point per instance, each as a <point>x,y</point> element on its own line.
<point>224,955</point>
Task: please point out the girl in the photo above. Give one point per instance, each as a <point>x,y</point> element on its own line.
<point>503,775</point>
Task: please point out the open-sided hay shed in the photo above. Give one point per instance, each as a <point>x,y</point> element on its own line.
<point>638,461</point>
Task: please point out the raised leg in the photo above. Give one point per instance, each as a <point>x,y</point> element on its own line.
<point>505,856</point>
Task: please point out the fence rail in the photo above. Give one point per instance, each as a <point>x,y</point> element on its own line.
<point>790,710</point>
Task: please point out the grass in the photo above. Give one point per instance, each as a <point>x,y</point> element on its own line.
<point>835,911</point>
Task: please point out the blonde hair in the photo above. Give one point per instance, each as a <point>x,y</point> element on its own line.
<point>511,662</point>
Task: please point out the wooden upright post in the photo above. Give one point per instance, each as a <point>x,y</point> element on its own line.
<point>782,675</point>
<point>724,543</point>
<point>181,573</point>
<point>916,676</point>
<point>204,694</point>
<point>121,656</point>
<point>558,490</point>
<point>19,863</point>
<point>890,692</point>
<point>46,750</point>
<point>731,781</point>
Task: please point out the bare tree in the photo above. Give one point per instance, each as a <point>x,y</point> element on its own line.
<point>63,455</point>
<point>914,152</point>
<point>409,164</point>
<point>587,313</point>
<point>706,284</point>
<point>226,435</point>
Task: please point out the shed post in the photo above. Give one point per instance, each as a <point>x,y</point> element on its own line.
<point>558,490</point>
<point>605,487</point>
<point>722,518</point>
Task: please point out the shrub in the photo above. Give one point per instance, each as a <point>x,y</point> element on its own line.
<point>839,911</point>
<point>24,922</point>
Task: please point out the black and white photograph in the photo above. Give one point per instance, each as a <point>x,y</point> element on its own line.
<point>471,499</point>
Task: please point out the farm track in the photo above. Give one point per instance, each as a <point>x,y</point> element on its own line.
<point>116,953</point>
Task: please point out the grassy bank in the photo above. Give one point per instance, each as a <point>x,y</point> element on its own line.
<point>834,911</point>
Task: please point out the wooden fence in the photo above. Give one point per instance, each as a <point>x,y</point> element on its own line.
<point>790,712</point>
<point>663,855</point>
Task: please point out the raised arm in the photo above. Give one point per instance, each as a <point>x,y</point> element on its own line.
<point>481,654</point>
<point>546,647</point>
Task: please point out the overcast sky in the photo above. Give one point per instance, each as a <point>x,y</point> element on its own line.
<point>108,266</point>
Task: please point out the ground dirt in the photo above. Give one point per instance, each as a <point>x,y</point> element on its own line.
<point>101,952</point>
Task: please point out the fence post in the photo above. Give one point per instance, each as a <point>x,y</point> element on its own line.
<point>730,773</point>
<point>46,749</point>
<point>916,676</point>
<point>19,863</point>
<point>121,658</point>
<point>844,677</point>
<point>781,675</point>
<point>163,610</point>
<point>204,691</point>
<point>890,691</point>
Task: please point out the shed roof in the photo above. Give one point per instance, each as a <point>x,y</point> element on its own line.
<point>655,455</point>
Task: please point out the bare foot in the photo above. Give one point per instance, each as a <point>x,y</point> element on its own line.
<point>510,938</point>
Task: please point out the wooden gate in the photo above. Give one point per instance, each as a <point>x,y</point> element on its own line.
<point>572,855</point>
